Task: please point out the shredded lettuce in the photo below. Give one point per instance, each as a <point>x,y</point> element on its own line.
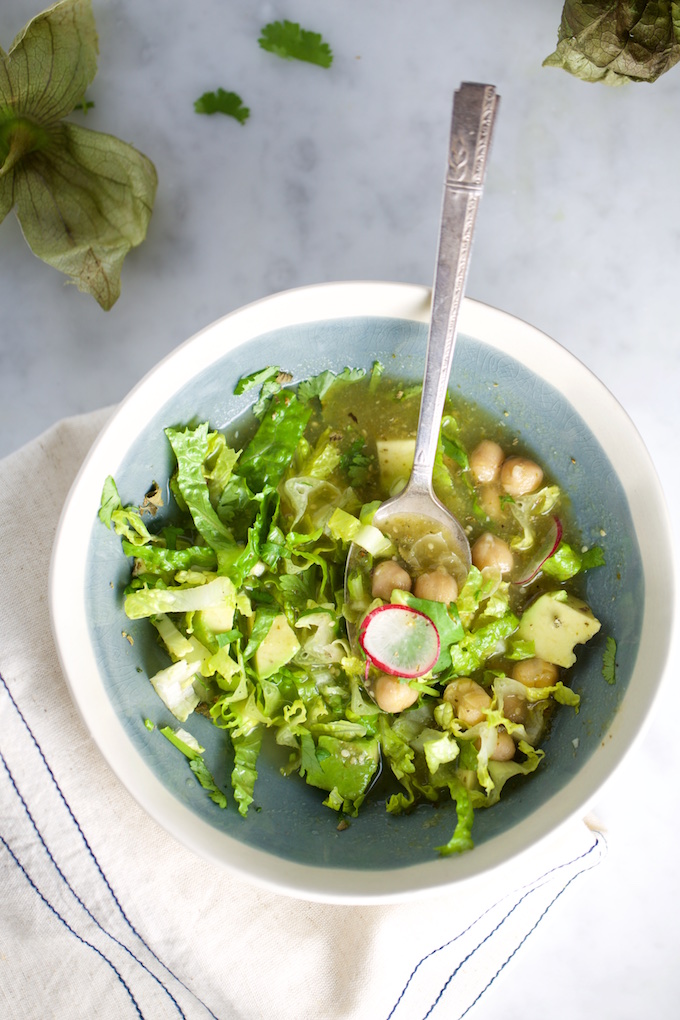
<point>242,578</point>
<point>347,528</point>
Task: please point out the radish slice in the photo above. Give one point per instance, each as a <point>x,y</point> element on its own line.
<point>547,549</point>
<point>399,640</point>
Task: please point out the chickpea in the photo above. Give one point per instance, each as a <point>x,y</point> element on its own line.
<point>535,673</point>
<point>514,708</point>
<point>490,551</point>
<point>490,501</point>
<point>504,748</point>
<point>520,476</point>
<point>392,695</point>
<point>436,585</point>
<point>388,575</point>
<point>468,699</point>
<point>486,460</point>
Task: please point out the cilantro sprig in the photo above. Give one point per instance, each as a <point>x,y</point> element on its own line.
<point>221,101</point>
<point>288,40</point>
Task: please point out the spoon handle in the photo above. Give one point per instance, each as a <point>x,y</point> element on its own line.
<point>474,111</point>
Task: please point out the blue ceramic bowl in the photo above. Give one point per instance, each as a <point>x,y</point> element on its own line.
<point>542,394</point>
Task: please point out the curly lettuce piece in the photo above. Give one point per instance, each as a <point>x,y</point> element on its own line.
<point>525,510</point>
<point>265,458</point>
<point>484,591</point>
<point>478,645</point>
<point>461,840</point>
<point>324,641</point>
<point>152,601</point>
<point>566,562</point>
<point>347,528</point>
<point>192,750</point>
<point>191,448</point>
<point>174,685</point>
<point>126,521</point>
<point>310,500</point>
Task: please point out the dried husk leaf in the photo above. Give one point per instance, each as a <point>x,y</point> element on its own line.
<point>83,203</point>
<point>83,198</point>
<point>52,61</point>
<point>618,41</point>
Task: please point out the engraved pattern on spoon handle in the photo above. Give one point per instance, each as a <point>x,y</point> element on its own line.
<point>474,111</point>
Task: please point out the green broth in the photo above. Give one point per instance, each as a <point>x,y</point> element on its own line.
<point>242,575</point>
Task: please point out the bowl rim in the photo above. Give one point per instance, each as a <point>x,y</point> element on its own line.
<point>347,299</point>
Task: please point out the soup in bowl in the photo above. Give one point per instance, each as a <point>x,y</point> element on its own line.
<point>208,638</point>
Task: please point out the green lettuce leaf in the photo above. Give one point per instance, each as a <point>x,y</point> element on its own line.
<point>152,601</point>
<point>478,645</point>
<point>244,773</point>
<point>566,562</point>
<point>191,750</point>
<point>461,840</point>
<point>190,447</point>
<point>320,385</point>
<point>270,451</point>
<point>345,767</point>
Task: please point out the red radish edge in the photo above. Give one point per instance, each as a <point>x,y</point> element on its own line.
<point>384,667</point>
<point>548,549</point>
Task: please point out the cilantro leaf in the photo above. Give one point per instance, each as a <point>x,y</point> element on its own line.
<point>356,462</point>
<point>286,39</point>
<point>609,661</point>
<point>221,101</point>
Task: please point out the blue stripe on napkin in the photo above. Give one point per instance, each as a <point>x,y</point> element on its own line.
<point>37,861</point>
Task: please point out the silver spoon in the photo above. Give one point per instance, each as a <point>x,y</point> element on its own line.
<point>416,508</point>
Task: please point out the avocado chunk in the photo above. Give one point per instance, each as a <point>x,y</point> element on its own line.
<point>556,622</point>
<point>395,457</point>
<point>208,623</point>
<point>276,649</point>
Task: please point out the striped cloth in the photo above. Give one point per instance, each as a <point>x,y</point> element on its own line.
<point>103,915</point>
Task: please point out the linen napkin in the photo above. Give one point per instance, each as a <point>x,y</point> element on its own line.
<point>105,915</point>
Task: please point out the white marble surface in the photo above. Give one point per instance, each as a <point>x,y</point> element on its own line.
<point>337,175</point>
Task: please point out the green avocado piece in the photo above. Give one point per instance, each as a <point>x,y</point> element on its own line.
<point>395,458</point>
<point>208,623</point>
<point>556,622</point>
<point>276,649</point>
